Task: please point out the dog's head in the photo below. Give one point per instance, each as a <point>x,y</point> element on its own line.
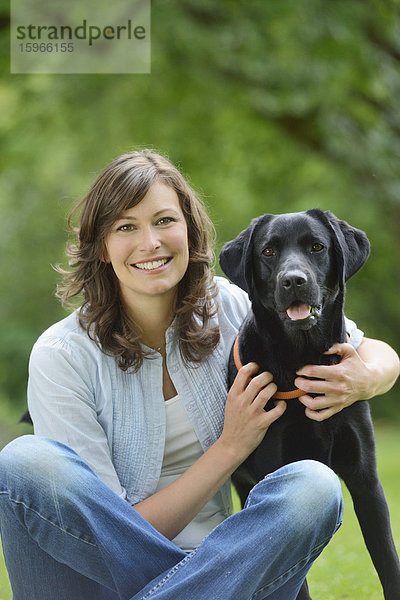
<point>293,264</point>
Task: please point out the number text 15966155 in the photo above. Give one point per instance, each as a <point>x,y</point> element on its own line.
<point>47,47</point>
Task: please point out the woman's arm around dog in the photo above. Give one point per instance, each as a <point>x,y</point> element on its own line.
<point>369,371</point>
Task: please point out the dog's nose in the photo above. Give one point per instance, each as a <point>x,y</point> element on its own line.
<point>293,279</point>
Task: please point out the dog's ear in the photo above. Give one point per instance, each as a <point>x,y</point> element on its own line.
<point>236,256</point>
<point>351,245</point>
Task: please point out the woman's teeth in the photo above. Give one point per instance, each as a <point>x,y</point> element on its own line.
<point>149,266</point>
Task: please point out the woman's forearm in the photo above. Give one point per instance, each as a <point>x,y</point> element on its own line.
<point>173,507</point>
<point>383,363</point>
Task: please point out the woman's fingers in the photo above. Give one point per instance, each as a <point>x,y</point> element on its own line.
<point>246,421</point>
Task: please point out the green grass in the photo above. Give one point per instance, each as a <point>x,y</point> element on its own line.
<point>5,589</point>
<point>344,570</point>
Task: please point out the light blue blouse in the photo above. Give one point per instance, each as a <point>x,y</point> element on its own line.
<point>115,420</point>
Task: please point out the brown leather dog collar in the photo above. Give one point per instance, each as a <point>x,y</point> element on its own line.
<point>296,393</point>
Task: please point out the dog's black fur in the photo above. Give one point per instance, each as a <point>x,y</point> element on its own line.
<point>293,260</point>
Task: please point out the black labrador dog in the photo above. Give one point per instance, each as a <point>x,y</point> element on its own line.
<point>294,268</point>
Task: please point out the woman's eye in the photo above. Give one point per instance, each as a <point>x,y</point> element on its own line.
<point>269,251</point>
<point>126,227</point>
<point>317,247</point>
<point>165,220</point>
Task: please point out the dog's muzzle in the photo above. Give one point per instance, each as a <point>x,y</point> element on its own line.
<point>298,298</point>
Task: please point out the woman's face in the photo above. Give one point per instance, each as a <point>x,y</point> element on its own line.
<point>148,247</point>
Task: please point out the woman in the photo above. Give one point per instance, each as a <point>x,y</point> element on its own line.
<point>136,437</point>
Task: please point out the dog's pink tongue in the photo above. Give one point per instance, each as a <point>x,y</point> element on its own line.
<point>298,311</point>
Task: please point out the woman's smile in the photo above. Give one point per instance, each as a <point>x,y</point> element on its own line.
<point>154,265</point>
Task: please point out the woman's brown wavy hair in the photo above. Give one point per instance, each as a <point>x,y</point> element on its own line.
<point>121,185</point>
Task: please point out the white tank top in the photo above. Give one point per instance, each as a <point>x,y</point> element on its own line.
<point>182,449</point>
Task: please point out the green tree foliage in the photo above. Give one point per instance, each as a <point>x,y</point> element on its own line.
<point>267,106</point>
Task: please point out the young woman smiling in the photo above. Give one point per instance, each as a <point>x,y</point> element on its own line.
<point>124,490</point>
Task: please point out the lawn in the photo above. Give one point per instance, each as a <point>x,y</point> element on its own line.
<point>344,571</point>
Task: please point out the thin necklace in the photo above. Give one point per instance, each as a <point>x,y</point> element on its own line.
<point>158,348</point>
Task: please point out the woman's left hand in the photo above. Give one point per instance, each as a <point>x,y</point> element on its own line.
<point>342,384</point>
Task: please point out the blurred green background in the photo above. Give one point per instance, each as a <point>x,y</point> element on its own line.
<point>266,106</point>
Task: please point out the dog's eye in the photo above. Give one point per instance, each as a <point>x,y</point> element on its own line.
<point>317,247</point>
<point>269,251</point>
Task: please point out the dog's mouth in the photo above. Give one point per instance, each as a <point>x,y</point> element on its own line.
<point>299,311</point>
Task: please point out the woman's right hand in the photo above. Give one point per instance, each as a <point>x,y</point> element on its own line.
<point>246,421</point>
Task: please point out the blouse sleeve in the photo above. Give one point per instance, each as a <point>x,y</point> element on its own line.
<point>355,334</point>
<point>235,302</point>
<point>61,402</point>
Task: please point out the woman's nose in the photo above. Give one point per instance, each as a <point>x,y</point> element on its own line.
<point>149,240</point>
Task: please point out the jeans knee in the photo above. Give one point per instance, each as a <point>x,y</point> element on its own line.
<point>319,492</point>
<point>29,459</point>
<point>25,450</point>
<point>305,501</point>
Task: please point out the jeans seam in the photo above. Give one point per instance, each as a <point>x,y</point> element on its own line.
<point>29,508</point>
<point>168,576</point>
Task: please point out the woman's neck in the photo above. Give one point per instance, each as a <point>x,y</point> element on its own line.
<point>152,321</point>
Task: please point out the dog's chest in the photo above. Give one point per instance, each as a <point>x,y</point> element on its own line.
<point>273,351</point>
<point>279,360</point>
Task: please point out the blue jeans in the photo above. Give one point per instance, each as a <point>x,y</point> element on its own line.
<point>66,535</point>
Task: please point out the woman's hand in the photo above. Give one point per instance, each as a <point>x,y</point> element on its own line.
<point>246,421</point>
<point>361,374</point>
